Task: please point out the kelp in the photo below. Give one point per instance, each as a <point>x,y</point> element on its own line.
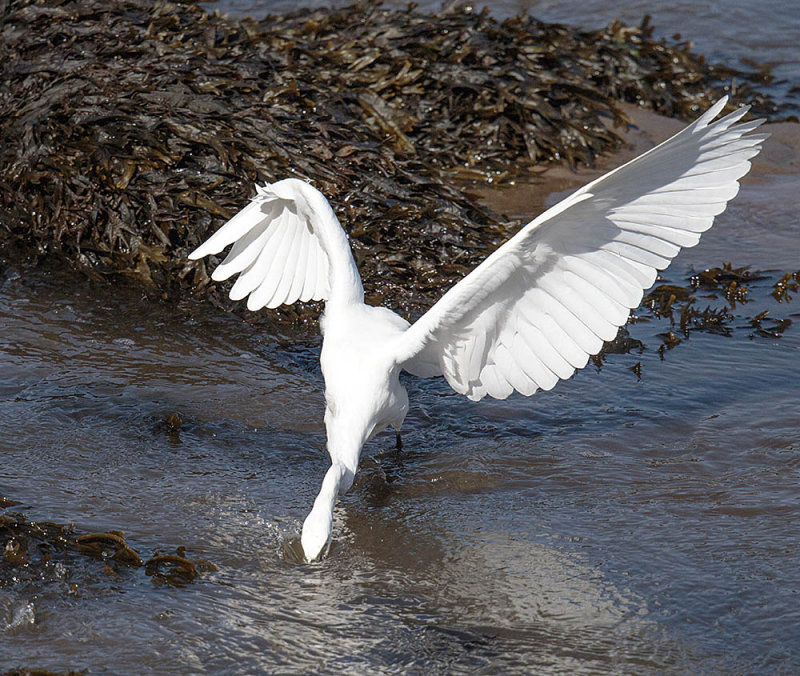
<point>37,553</point>
<point>37,556</point>
<point>130,130</point>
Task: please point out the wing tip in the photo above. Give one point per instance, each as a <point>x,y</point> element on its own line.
<point>264,193</point>
<point>717,107</point>
<point>254,304</point>
<point>201,252</point>
<point>221,273</point>
<point>707,117</point>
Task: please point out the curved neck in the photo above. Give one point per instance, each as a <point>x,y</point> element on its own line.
<point>326,499</point>
<point>318,526</point>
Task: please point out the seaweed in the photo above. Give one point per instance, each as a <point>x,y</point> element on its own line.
<point>785,286</point>
<point>176,570</point>
<point>768,327</point>
<point>34,552</point>
<point>130,130</point>
<point>724,288</point>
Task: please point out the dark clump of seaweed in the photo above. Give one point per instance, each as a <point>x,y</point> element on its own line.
<point>729,280</point>
<point>176,570</point>
<point>725,292</point>
<point>768,327</point>
<point>34,553</point>
<point>30,548</point>
<point>786,286</point>
<point>108,546</point>
<point>33,550</point>
<point>130,130</point>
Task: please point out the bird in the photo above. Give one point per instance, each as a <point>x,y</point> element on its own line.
<point>530,314</point>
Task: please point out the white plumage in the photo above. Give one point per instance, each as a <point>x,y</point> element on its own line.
<point>276,253</point>
<point>531,314</point>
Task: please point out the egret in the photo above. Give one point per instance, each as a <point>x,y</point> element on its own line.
<point>529,315</point>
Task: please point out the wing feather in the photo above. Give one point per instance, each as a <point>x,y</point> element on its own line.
<point>253,275</point>
<point>235,228</point>
<point>540,301</point>
<point>617,288</point>
<point>605,305</point>
<point>243,252</point>
<point>475,356</point>
<point>496,386</point>
<point>528,360</point>
<point>509,364</point>
<point>538,307</point>
<point>272,266</point>
<point>564,344</point>
<point>580,308</point>
<point>680,238</point>
<point>310,281</point>
<point>295,271</point>
<point>287,246</point>
<point>284,267</point>
<point>547,353</point>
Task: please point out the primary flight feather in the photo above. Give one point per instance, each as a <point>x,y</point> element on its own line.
<point>531,314</point>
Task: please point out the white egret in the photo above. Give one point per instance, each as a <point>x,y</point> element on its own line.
<point>532,313</point>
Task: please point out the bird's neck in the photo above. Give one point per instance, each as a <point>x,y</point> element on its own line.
<point>326,499</point>
<point>318,526</point>
<point>346,287</point>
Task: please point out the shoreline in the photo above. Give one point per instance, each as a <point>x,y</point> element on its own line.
<point>528,197</point>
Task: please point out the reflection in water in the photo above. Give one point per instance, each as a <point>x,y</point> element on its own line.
<point>613,524</point>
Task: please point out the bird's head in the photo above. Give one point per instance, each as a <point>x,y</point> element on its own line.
<point>316,533</point>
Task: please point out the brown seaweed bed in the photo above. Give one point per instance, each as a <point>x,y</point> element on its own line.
<point>130,130</point>
<point>707,302</point>
<point>37,555</point>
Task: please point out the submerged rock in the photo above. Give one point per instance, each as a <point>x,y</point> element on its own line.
<point>130,130</point>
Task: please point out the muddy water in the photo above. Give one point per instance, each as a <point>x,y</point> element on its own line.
<point>614,524</point>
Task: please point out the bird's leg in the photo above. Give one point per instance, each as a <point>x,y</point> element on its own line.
<point>395,458</point>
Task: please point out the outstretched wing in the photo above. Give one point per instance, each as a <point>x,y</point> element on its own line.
<point>279,249</point>
<point>538,307</point>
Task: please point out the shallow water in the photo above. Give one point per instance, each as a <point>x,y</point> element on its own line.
<point>610,525</point>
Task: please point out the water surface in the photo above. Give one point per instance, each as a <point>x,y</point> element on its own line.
<point>612,525</point>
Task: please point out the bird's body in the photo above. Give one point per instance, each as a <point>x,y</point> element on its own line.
<point>363,394</point>
<point>532,313</point>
